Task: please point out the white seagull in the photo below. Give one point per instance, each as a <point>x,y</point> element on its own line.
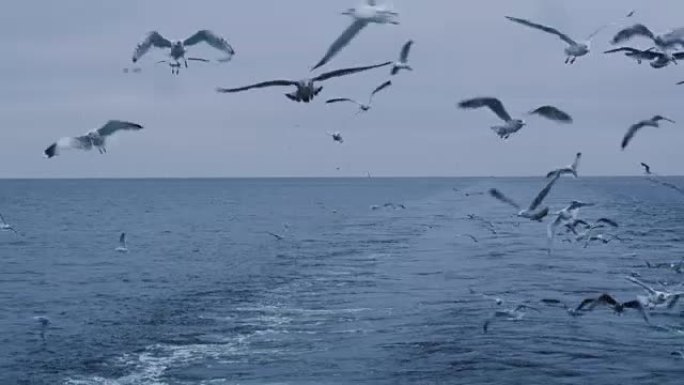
<point>655,297</point>
<point>95,138</point>
<point>565,216</point>
<point>122,248</point>
<point>571,169</point>
<point>532,211</point>
<point>653,122</point>
<point>306,88</point>
<point>665,41</point>
<point>4,226</point>
<point>364,14</point>
<point>402,63</point>
<point>573,50</point>
<point>362,107</point>
<point>511,125</point>
<point>178,47</point>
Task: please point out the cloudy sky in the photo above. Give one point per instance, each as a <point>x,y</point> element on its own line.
<point>61,74</point>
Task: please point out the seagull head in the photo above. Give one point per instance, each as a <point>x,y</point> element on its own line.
<point>520,122</point>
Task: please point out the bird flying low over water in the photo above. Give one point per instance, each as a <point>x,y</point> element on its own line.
<point>362,107</point>
<point>618,307</point>
<point>178,47</point>
<point>647,168</point>
<point>402,63</point>
<point>4,226</point>
<point>122,248</point>
<point>511,125</point>
<point>95,138</point>
<point>668,40</point>
<point>653,122</point>
<point>571,169</point>
<point>306,88</point>
<point>367,13</point>
<point>532,212</point>
<point>659,59</point>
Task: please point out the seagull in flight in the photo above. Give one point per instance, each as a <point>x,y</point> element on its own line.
<point>571,169</point>
<point>647,168</point>
<point>653,122</point>
<point>178,47</point>
<point>336,137</point>
<point>122,248</point>
<point>573,50</point>
<point>364,14</point>
<point>618,307</point>
<point>306,88</point>
<point>402,63</point>
<point>657,59</point>
<point>655,297</point>
<point>511,125</point>
<point>532,212</point>
<point>94,138</point>
<point>4,226</point>
<point>565,216</point>
<point>362,107</point>
<point>665,41</point>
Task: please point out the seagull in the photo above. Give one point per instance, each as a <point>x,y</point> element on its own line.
<point>573,50</point>
<point>178,47</point>
<point>511,125</point>
<point>4,226</point>
<point>571,169</point>
<point>531,212</point>
<point>566,215</point>
<point>306,89</point>
<point>589,229</point>
<point>402,63</point>
<point>469,236</point>
<point>367,13</point>
<point>655,297</point>
<point>276,236</point>
<point>337,137</point>
<point>607,300</point>
<point>122,248</point>
<point>647,168</point>
<point>668,40</point>
<point>44,323</point>
<point>658,59</point>
<point>653,122</point>
<point>362,107</point>
<point>95,138</point>
<point>514,314</point>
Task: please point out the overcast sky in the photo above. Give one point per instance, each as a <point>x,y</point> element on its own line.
<point>61,75</point>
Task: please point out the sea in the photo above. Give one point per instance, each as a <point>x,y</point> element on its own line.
<point>332,281</point>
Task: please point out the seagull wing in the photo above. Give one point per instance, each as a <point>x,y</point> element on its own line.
<point>576,163</point>
<point>639,283</point>
<point>270,83</point>
<point>378,89</point>
<point>338,100</point>
<point>630,133</point>
<point>543,193</point>
<point>153,39</point>
<point>608,221</point>
<point>347,71</point>
<point>678,55</point>
<point>496,194</point>
<point>646,167</point>
<point>673,38</point>
<point>544,28</point>
<point>113,126</point>
<point>629,32</point>
<point>403,56</point>
<point>213,40</point>
<point>79,143</point>
<point>493,104</point>
<point>635,304</point>
<point>552,113</point>
<point>341,42</point>
<point>122,240</point>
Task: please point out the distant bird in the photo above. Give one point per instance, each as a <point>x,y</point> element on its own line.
<point>514,314</point>
<point>402,63</point>
<point>276,236</point>
<point>631,13</point>
<point>532,212</point>
<point>653,122</point>
<point>178,47</point>
<point>122,248</point>
<point>362,107</point>
<point>656,297</point>
<point>607,300</point>
<point>470,236</point>
<point>370,12</point>
<point>135,70</point>
<point>573,50</point>
<point>588,234</point>
<point>665,41</point>
<point>571,169</point>
<point>511,125</point>
<point>678,353</point>
<point>337,137</point>
<point>4,226</point>
<point>568,214</point>
<point>657,59</point>
<point>306,88</point>
<point>647,168</point>
<point>95,138</point>
<point>43,323</point>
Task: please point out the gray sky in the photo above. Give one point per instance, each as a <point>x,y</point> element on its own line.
<point>61,74</point>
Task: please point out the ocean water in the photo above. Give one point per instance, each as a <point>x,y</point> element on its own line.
<point>350,295</point>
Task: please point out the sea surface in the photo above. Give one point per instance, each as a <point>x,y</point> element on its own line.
<point>353,293</point>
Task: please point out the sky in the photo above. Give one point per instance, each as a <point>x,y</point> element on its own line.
<point>61,74</point>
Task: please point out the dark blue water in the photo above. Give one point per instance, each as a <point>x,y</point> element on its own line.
<point>351,295</point>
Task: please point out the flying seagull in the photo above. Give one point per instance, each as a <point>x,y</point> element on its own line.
<point>306,88</point>
<point>653,122</point>
<point>4,226</point>
<point>95,138</point>
<point>571,169</point>
<point>511,125</point>
<point>362,107</point>
<point>402,64</point>
<point>655,297</point>
<point>618,307</point>
<point>178,47</point>
<point>573,50</point>
<point>658,59</point>
<point>367,13</point>
<point>566,215</point>
<point>336,137</point>
<point>532,211</point>
<point>647,168</point>
<point>122,248</point>
<point>665,41</point>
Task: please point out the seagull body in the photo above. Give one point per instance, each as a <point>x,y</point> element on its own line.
<point>402,63</point>
<point>532,212</point>
<point>122,248</point>
<point>665,41</point>
<point>306,88</point>
<point>571,169</point>
<point>367,13</point>
<point>654,297</point>
<point>514,314</point>
<point>95,138</point>
<point>653,122</point>
<point>511,125</point>
<point>336,137</point>
<point>177,49</point>
<point>362,107</point>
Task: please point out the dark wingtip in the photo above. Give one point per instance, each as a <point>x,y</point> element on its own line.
<point>318,65</point>
<point>50,151</point>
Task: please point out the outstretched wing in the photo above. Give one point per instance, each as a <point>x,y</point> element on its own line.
<point>338,100</point>
<point>113,126</point>
<point>635,304</point>
<point>544,28</point>
<point>647,168</point>
<point>341,42</point>
<point>379,88</point>
<point>270,83</point>
<point>543,193</point>
<point>153,39</point>
<point>608,221</point>
<point>347,71</point>
<point>630,134</point>
<point>122,240</point>
<point>648,54</point>
<point>403,56</point>
<point>552,113</point>
<point>639,283</point>
<point>493,104</point>
<point>213,40</point>
<point>496,194</point>
<point>79,143</point>
<point>629,32</point>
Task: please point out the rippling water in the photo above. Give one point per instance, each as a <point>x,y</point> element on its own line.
<point>351,295</point>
